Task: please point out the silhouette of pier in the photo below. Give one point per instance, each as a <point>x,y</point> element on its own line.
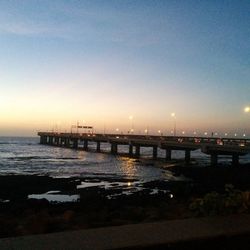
<point>234,147</point>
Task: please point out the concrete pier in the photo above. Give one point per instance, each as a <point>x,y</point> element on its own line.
<point>98,146</point>
<point>214,159</point>
<point>85,145</point>
<point>137,151</point>
<point>155,152</point>
<point>75,143</point>
<point>211,146</point>
<point>168,154</point>
<point>114,148</point>
<point>187,155</point>
<point>235,160</point>
<point>130,150</point>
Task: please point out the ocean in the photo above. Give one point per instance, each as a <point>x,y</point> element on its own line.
<point>25,156</point>
<point>119,173</point>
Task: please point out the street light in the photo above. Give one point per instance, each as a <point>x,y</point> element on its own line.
<point>132,125</point>
<point>247,109</point>
<point>174,116</point>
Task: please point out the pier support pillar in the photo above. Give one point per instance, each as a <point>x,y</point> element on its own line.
<point>155,152</point>
<point>214,159</point>
<point>113,148</point>
<point>57,141</point>
<point>50,140</point>
<point>168,154</point>
<point>60,141</point>
<point>98,146</point>
<point>235,160</point>
<point>67,143</point>
<point>64,142</point>
<point>137,151</point>
<point>130,150</point>
<point>43,140</point>
<point>75,143</point>
<point>187,155</point>
<point>85,145</point>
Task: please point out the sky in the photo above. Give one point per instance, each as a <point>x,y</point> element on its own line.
<point>99,62</point>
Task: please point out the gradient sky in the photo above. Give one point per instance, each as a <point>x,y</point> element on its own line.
<point>99,62</point>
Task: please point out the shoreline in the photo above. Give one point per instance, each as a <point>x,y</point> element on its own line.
<point>22,216</point>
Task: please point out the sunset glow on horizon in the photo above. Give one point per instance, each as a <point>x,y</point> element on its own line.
<point>122,65</point>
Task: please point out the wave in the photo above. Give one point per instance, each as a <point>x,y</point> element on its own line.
<point>67,158</point>
<point>9,143</point>
<point>41,158</point>
<point>26,157</point>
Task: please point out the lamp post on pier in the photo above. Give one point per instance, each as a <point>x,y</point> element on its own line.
<point>174,117</point>
<point>132,125</point>
<point>247,109</point>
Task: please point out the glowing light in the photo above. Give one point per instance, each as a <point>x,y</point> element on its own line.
<point>159,131</point>
<point>183,132</point>
<point>195,133</point>
<point>205,133</point>
<point>129,184</point>
<point>132,125</point>
<point>226,134</point>
<point>244,135</point>
<point>171,196</point>
<point>235,134</point>
<point>173,115</point>
<point>247,109</point>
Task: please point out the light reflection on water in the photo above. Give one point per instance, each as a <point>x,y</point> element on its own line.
<point>128,166</point>
<point>51,197</point>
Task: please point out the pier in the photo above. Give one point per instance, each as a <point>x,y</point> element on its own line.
<point>208,145</point>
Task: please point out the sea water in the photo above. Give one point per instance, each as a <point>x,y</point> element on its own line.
<point>25,156</point>
<point>123,175</point>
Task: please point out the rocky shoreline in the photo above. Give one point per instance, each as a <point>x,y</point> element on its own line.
<point>100,207</point>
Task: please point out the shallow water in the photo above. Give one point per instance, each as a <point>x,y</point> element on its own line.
<point>54,197</point>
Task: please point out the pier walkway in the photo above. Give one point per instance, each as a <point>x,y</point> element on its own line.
<point>208,145</point>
